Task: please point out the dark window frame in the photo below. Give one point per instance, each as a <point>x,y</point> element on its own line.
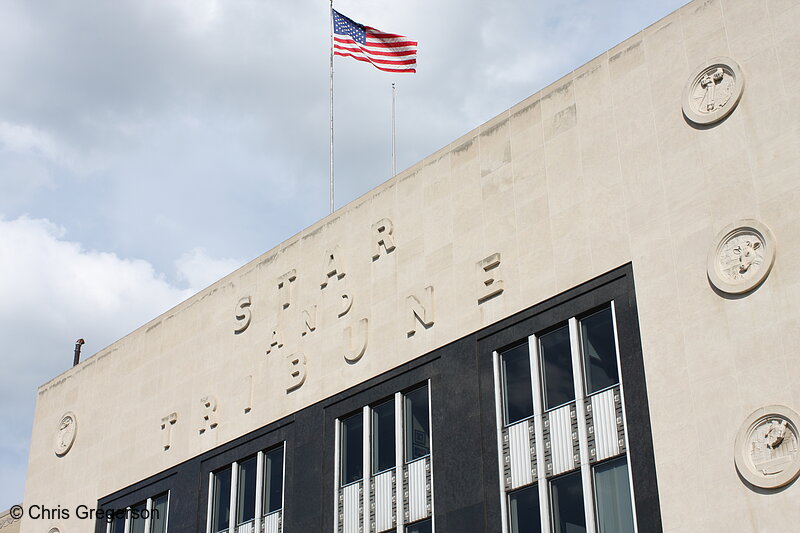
<point>616,285</point>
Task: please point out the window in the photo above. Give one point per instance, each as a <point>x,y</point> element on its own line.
<point>158,519</point>
<point>352,449</point>
<point>137,520</point>
<point>567,504</point>
<point>383,445</point>
<point>246,496</point>
<point>273,481</point>
<point>561,430</point>
<point>556,368</point>
<point>258,495</point>
<point>599,351</point>
<point>117,525</point>
<point>149,516</point>
<point>417,426</point>
<point>384,467</point>
<point>613,496</point>
<point>518,395</point>
<point>221,515</point>
<point>524,505</point>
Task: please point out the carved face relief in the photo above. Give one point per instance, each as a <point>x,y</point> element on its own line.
<point>713,91</point>
<point>741,257</point>
<point>767,453</point>
<point>65,434</point>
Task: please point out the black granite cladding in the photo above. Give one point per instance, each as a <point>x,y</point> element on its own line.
<point>466,477</point>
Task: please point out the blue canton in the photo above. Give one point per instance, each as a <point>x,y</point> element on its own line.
<point>344,26</point>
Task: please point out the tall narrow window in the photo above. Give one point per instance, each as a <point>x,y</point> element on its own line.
<point>613,497</point>
<point>352,448</point>
<point>567,500</point>
<point>221,510</point>
<point>118,524</point>
<point>599,351</point>
<point>516,371</point>
<point>138,518</point>
<point>158,517</point>
<point>557,367</point>
<point>417,426</point>
<point>137,515</point>
<point>273,481</point>
<point>246,493</point>
<point>524,510</point>
<point>383,456</point>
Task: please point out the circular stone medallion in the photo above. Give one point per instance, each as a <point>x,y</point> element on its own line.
<point>766,450</point>
<point>741,257</point>
<point>65,434</point>
<point>713,91</point>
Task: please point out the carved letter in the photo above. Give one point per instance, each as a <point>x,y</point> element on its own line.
<point>423,313</point>
<point>347,303</point>
<point>209,420</point>
<point>309,320</point>
<point>382,236</point>
<point>356,346</point>
<point>297,371</point>
<point>276,342</point>
<point>333,267</point>
<point>242,315</point>
<point>489,284</point>
<point>248,387</point>
<point>166,429</point>
<point>285,288</point>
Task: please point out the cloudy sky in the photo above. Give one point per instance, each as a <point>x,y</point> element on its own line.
<point>149,147</point>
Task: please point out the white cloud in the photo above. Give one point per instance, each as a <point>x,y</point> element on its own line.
<point>53,291</point>
<point>199,270</point>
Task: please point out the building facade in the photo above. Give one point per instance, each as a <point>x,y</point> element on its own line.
<point>578,317</point>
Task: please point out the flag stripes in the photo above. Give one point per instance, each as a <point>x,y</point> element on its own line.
<point>389,52</point>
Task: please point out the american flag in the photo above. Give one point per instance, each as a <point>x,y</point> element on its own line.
<point>386,51</point>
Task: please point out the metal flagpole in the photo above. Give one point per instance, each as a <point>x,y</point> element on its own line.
<point>394,152</point>
<point>331,105</point>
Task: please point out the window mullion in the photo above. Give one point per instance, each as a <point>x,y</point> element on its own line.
<point>538,423</point>
<point>259,491</point>
<point>283,481</point>
<point>128,520</point>
<point>337,457</point>
<point>366,459</point>
<point>166,518</point>
<point>232,518</point>
<point>209,516</point>
<point>430,452</point>
<point>399,446</point>
<point>149,508</point>
<point>624,418</point>
<point>498,411</point>
<point>583,437</point>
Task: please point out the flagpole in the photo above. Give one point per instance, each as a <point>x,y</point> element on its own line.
<point>394,151</point>
<point>331,109</point>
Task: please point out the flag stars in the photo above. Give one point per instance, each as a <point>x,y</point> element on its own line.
<point>344,26</point>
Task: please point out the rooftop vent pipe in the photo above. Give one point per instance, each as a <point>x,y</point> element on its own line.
<point>78,344</point>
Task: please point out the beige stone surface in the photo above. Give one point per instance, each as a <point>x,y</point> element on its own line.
<point>9,524</point>
<point>597,170</point>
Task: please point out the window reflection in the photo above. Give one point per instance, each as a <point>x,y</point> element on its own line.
<point>556,367</point>
<point>599,351</point>
<point>516,372</point>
